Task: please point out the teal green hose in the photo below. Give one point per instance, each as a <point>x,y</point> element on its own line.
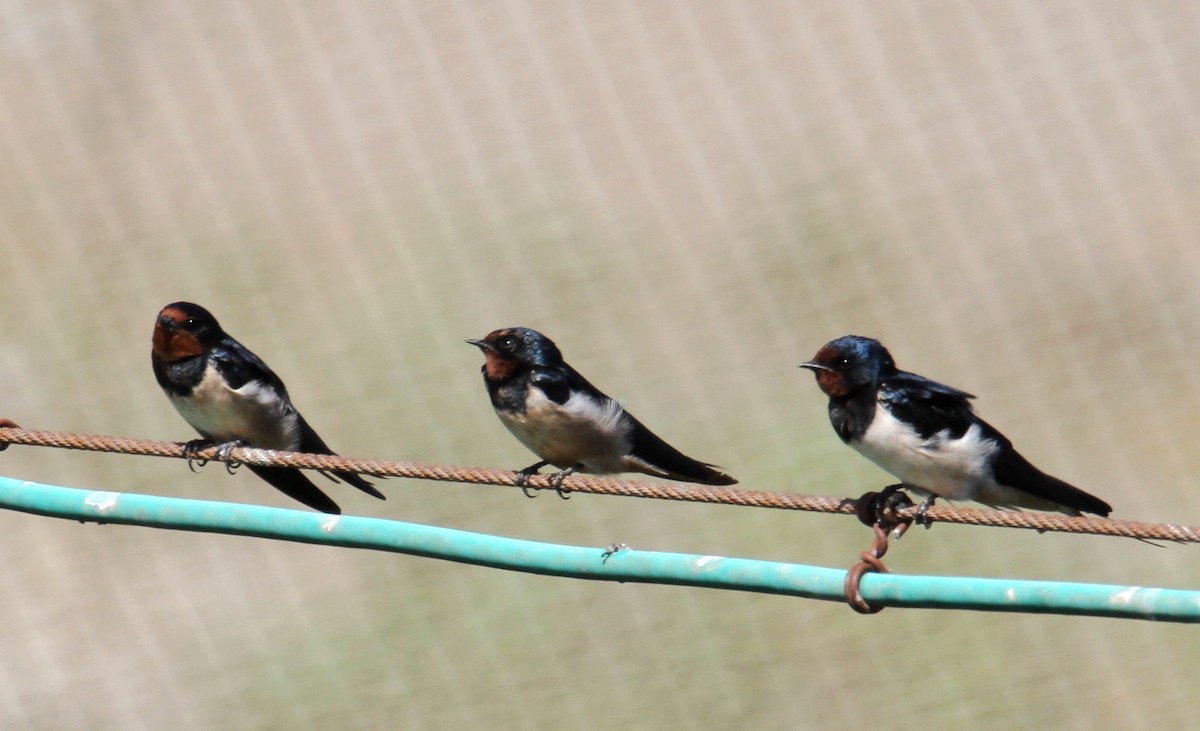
<point>598,563</point>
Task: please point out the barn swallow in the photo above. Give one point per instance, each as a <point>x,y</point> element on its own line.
<point>927,434</point>
<point>567,421</point>
<point>233,399</point>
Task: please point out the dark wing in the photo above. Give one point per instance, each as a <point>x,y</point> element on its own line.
<point>929,406</point>
<point>650,449</point>
<point>312,443</point>
<point>554,382</point>
<point>558,382</point>
<point>661,458</point>
<point>239,366</point>
<point>294,484</point>
<point>933,407</point>
<point>578,381</point>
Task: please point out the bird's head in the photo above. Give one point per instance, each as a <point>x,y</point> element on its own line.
<point>183,330</point>
<point>850,363</point>
<point>513,348</point>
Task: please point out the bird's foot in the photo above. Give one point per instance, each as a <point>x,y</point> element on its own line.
<point>880,507</point>
<point>189,452</point>
<point>556,481</point>
<point>922,517</point>
<point>223,452</point>
<point>524,475</point>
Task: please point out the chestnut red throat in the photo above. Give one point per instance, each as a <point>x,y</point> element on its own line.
<point>498,366</point>
<point>829,380</point>
<point>170,341</point>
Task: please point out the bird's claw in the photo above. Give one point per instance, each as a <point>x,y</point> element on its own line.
<point>922,516</point>
<point>522,478</point>
<point>880,507</point>
<point>223,452</point>
<point>190,448</point>
<point>524,475</point>
<point>189,452</point>
<point>557,478</point>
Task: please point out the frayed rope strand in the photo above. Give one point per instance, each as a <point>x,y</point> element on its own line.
<point>597,485</point>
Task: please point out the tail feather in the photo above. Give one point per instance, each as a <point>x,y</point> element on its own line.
<point>293,483</point>
<point>356,480</point>
<point>1015,471</point>
<point>312,443</point>
<point>656,457</point>
<point>1071,497</point>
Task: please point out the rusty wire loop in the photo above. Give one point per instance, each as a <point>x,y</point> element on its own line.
<point>882,512</point>
<point>596,485</point>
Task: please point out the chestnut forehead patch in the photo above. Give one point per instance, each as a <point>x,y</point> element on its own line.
<point>827,354</point>
<point>174,314</point>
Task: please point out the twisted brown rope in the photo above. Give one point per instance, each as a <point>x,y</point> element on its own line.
<point>11,434</point>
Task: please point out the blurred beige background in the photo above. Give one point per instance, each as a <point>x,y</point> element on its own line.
<point>690,198</point>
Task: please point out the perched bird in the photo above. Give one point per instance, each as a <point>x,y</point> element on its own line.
<point>233,399</point>
<point>926,434</point>
<point>567,421</point>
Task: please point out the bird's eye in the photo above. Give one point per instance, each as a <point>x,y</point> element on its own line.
<point>843,362</point>
<point>508,343</point>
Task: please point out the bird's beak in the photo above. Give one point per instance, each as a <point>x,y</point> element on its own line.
<point>481,344</point>
<point>815,366</point>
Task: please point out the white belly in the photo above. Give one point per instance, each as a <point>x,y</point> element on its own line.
<point>254,413</point>
<point>581,431</point>
<point>957,469</point>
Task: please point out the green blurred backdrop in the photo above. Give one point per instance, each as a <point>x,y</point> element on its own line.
<point>690,199</point>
